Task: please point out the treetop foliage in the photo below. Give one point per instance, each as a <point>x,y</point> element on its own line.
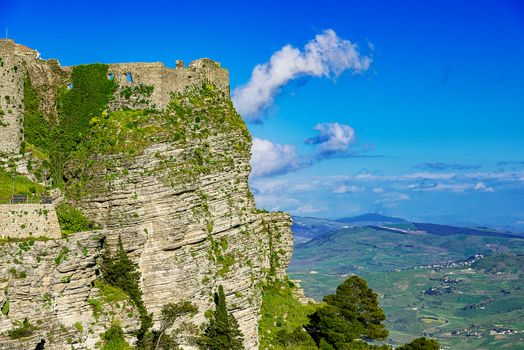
<point>222,332</point>
<point>350,315</point>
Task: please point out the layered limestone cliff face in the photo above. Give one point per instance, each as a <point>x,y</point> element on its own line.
<point>164,168</point>
<point>50,284</point>
<point>182,205</point>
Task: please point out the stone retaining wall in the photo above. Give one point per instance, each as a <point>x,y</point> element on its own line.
<point>26,220</point>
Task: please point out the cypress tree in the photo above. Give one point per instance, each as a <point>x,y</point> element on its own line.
<point>222,332</point>
<point>122,273</point>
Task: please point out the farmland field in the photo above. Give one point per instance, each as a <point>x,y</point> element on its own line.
<point>473,305</point>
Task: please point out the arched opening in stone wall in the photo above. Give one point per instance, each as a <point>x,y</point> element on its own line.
<point>110,76</point>
<point>129,77</point>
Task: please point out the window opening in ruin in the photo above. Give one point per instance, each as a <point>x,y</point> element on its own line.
<point>110,76</point>
<point>129,77</point>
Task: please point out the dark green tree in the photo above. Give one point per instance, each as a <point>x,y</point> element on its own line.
<point>170,313</point>
<point>121,272</point>
<point>222,332</point>
<point>113,339</point>
<point>350,316</point>
<point>421,344</point>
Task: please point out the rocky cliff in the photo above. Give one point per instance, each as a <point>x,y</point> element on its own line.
<point>163,166</point>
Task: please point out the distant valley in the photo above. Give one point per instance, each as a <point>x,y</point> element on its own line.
<point>460,285</point>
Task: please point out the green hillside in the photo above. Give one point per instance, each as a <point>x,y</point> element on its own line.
<point>422,290</point>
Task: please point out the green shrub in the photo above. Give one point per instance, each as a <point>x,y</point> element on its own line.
<point>97,307</point>
<point>79,327</point>
<point>62,255</point>
<point>24,329</point>
<point>113,339</point>
<point>5,308</point>
<point>71,220</point>
<point>421,344</point>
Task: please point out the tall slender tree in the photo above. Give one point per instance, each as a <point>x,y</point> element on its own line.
<point>121,272</point>
<point>222,332</point>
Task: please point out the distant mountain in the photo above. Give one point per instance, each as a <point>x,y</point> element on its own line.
<point>446,230</point>
<point>371,219</point>
<point>306,228</point>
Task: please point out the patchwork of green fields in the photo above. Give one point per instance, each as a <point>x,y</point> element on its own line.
<point>464,307</point>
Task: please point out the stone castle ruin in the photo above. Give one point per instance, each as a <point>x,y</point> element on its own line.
<point>47,76</point>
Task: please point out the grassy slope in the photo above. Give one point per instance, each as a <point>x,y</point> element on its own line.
<point>281,310</point>
<point>22,185</point>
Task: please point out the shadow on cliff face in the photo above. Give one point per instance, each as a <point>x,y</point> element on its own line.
<point>40,345</point>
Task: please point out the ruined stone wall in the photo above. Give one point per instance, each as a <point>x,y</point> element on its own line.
<point>47,77</point>
<point>28,220</point>
<point>17,61</point>
<point>163,80</point>
<point>11,98</point>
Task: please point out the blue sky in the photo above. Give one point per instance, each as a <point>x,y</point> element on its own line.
<point>410,108</point>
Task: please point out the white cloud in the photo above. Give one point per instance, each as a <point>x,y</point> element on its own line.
<point>481,186</point>
<point>308,209</point>
<point>378,190</point>
<point>327,55</point>
<point>269,158</point>
<point>347,189</point>
<point>391,197</point>
<point>333,138</point>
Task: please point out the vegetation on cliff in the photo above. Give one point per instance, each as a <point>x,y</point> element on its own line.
<point>120,272</point>
<point>349,319</point>
<point>115,139</point>
<point>71,219</point>
<point>36,126</point>
<point>222,332</point>
<point>88,97</point>
<point>283,318</point>
<point>113,339</point>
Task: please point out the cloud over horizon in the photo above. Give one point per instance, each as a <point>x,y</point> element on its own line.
<point>362,192</point>
<point>327,55</point>
<point>270,158</point>
<point>333,139</point>
<point>447,166</point>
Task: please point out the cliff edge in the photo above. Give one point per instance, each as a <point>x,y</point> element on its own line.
<point>153,156</point>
